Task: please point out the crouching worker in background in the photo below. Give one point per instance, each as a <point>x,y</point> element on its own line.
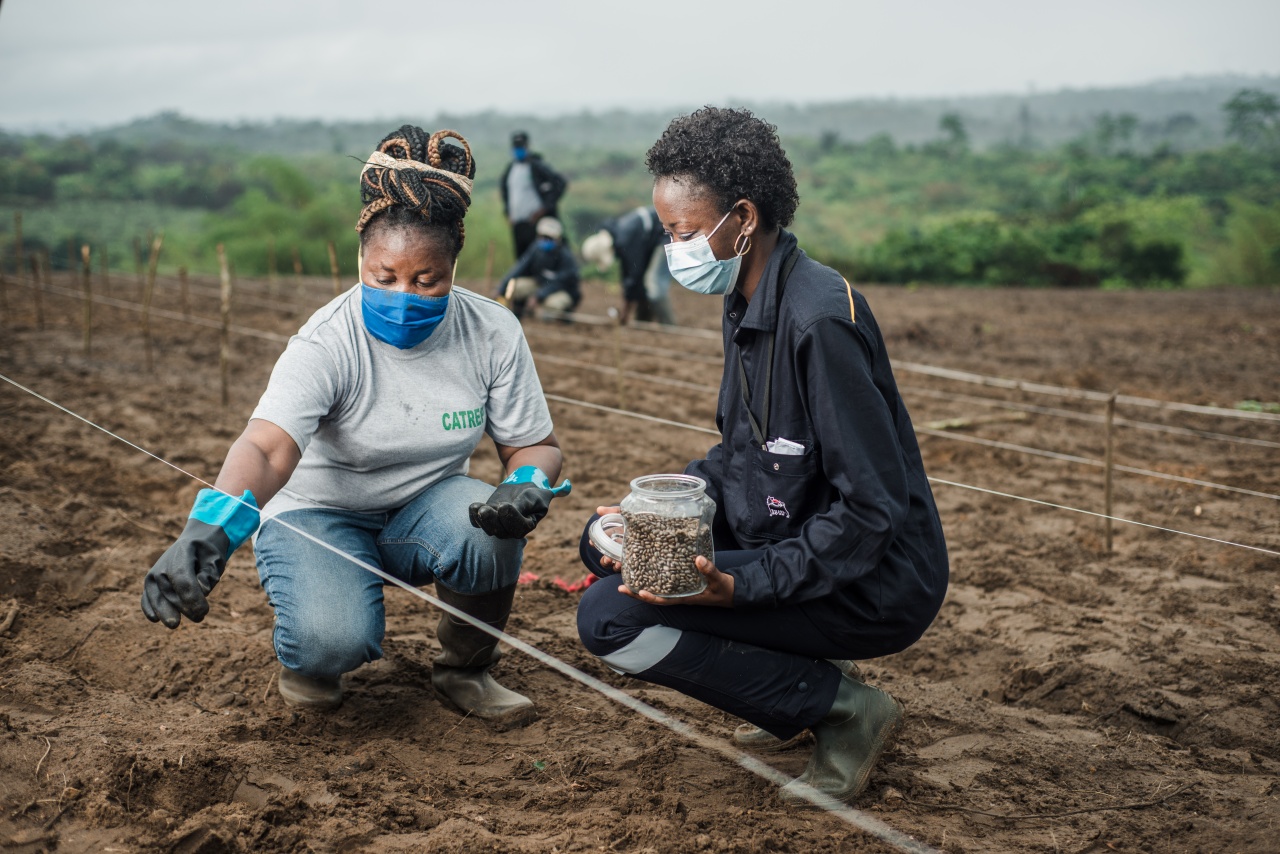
<point>547,272</point>
<point>362,441</point>
<point>827,542</point>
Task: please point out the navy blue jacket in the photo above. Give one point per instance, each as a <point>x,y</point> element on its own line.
<point>555,269</point>
<point>852,517</point>
<point>636,234</point>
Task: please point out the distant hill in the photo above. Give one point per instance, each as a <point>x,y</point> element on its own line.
<point>1185,112</point>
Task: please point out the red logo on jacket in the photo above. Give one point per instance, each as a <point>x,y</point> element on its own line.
<point>777,507</point>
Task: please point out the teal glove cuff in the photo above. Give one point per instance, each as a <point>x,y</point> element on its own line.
<point>237,517</point>
<point>536,476</point>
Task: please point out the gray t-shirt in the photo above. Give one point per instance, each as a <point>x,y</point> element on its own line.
<point>523,200</point>
<point>377,425</point>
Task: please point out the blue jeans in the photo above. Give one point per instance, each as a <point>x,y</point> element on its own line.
<point>329,613</point>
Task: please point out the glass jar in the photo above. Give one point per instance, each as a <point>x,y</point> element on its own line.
<point>666,525</point>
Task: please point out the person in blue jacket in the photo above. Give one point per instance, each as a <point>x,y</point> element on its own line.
<point>827,541</point>
<point>547,272</point>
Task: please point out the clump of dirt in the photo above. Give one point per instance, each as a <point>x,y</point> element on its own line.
<point>1065,699</point>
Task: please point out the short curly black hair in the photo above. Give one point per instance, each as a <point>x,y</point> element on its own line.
<point>733,155</point>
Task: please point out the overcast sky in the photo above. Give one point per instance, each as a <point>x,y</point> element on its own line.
<point>85,63</point>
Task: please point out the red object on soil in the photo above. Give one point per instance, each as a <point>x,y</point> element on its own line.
<point>577,586</point>
<point>527,578</point>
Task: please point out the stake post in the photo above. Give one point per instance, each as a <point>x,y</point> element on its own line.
<point>1111,417</point>
<point>224,349</point>
<point>88,299</point>
<point>37,290</point>
<point>147,295</point>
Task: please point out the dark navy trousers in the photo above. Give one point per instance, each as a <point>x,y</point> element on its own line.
<point>768,666</point>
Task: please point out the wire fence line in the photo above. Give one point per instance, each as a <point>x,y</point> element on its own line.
<point>283,339</point>
<point>629,414</point>
<point>909,366</point>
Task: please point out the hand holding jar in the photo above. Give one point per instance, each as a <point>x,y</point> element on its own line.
<point>660,539</point>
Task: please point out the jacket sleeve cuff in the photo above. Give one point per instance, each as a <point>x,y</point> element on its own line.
<point>752,587</point>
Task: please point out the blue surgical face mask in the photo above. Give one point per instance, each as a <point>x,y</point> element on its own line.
<point>520,153</point>
<point>694,265</point>
<point>547,244</point>
<point>401,319</point>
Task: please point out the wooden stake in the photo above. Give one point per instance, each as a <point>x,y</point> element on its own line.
<point>333,268</point>
<point>137,259</point>
<point>37,290</point>
<point>88,299</point>
<point>271,266</point>
<point>224,350</point>
<point>1111,417</point>
<point>19,262</point>
<point>147,296</point>
<point>488,267</point>
<point>186,295</point>
<point>297,272</point>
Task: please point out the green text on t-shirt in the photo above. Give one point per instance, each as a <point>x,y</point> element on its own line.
<point>463,419</point>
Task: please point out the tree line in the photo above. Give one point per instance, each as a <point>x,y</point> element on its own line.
<point>1107,207</point>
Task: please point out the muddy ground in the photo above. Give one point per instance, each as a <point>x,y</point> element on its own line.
<point>1064,700</point>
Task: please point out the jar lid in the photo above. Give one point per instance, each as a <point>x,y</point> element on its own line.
<point>669,485</point>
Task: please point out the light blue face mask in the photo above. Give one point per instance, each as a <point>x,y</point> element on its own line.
<point>696,267</point>
<point>401,319</point>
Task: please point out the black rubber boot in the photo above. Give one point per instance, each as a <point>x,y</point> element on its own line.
<point>460,675</point>
<point>848,742</point>
<point>752,737</point>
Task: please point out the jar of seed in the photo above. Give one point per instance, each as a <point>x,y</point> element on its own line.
<point>667,524</point>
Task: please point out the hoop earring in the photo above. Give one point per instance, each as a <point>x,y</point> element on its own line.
<point>745,239</point>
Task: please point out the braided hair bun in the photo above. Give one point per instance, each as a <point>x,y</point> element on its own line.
<point>413,177</point>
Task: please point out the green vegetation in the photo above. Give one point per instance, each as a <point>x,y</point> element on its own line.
<point>1126,202</point>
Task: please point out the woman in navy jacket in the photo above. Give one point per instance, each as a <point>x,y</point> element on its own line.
<point>827,539</point>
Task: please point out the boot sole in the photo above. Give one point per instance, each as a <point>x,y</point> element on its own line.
<point>772,744</point>
<point>515,719</point>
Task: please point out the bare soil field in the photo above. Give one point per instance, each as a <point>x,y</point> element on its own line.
<point>1066,699</point>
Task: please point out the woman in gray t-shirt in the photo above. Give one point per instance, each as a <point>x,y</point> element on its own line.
<point>357,454</point>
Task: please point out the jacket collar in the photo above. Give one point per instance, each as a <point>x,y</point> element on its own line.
<point>762,312</point>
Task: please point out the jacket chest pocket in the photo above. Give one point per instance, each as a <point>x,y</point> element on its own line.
<point>782,493</point>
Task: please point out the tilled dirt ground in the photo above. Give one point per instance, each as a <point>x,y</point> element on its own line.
<point>1066,699</point>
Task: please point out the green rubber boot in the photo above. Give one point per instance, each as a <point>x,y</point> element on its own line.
<point>848,742</point>
<point>460,675</point>
<point>752,737</point>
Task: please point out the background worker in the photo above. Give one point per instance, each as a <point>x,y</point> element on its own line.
<point>531,190</point>
<point>828,544</point>
<point>547,273</point>
<point>635,239</point>
<point>362,440</point>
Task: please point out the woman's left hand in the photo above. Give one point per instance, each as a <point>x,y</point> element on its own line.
<point>719,592</point>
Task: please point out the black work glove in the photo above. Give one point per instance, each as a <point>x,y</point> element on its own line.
<point>517,505</point>
<point>177,585</point>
